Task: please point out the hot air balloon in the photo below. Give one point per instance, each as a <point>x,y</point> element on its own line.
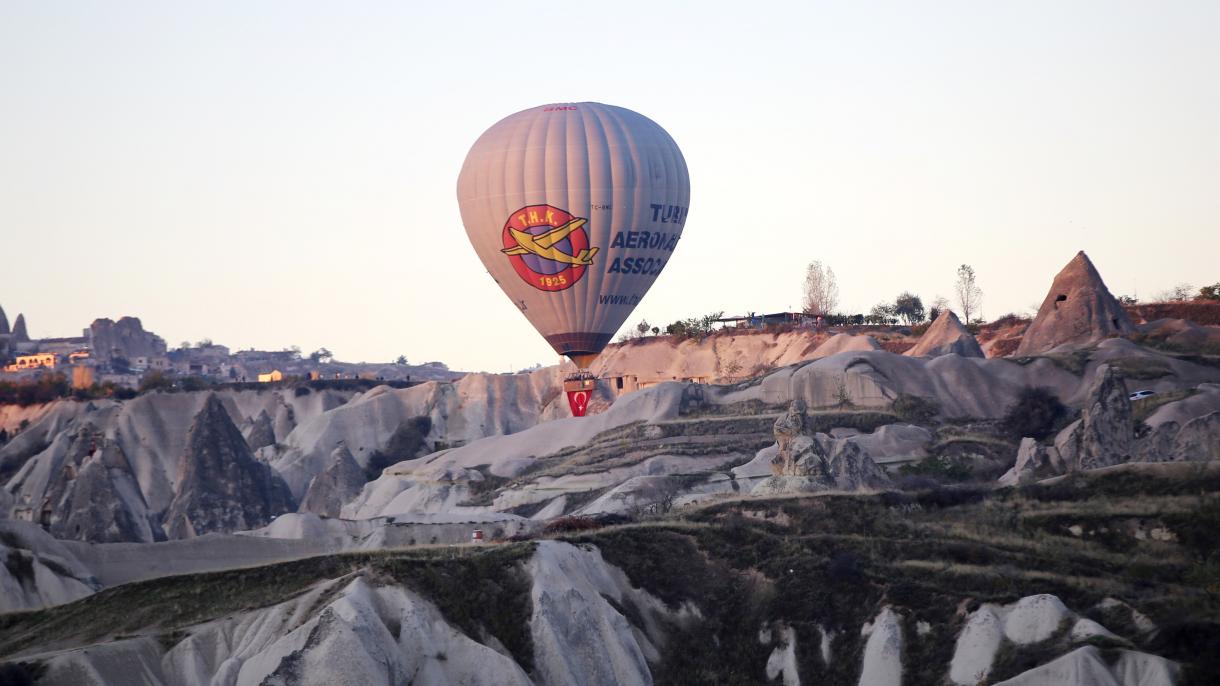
<point>574,209</point>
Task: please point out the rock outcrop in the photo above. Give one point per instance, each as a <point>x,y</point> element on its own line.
<point>883,651</point>
<point>20,334</point>
<point>94,495</point>
<point>221,486</point>
<point>4,330</point>
<point>260,432</point>
<point>148,433</point>
<point>475,406</point>
<point>787,428</point>
<point>1035,620</point>
<point>1034,462</point>
<point>813,462</point>
<point>946,336</point>
<point>1199,439</point>
<point>844,342</point>
<point>37,571</point>
<point>1104,434</point>
<point>339,483</point>
<point>1079,309</point>
<point>1087,666</point>
<point>125,338</point>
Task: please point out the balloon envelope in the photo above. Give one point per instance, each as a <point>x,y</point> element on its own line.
<point>575,209</point>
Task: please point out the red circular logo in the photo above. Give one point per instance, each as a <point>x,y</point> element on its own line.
<point>548,247</point>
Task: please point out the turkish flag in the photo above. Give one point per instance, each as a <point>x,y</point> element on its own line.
<point>579,402</point>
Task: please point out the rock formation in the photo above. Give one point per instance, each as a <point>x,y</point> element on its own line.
<point>1034,462</point>
<point>4,330</point>
<point>814,462</point>
<point>947,335</point>
<point>94,496</point>
<point>1197,440</point>
<point>36,570</point>
<point>260,432</point>
<point>1078,309</point>
<point>1032,621</point>
<point>221,486</point>
<point>843,342</point>
<point>787,428</point>
<point>20,335</point>
<point>339,483</point>
<point>883,651</point>
<point>1104,434</point>
<point>148,432</point>
<point>1087,666</point>
<point>125,338</point>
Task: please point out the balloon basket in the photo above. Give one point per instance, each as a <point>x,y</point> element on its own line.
<point>579,387</point>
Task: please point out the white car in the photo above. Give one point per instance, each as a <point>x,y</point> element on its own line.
<point>1140,395</point>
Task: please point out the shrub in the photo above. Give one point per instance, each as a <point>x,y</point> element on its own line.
<point>695,327</point>
<point>193,383</point>
<point>570,524</point>
<point>44,389</point>
<point>1007,320</point>
<point>1036,413</point>
<point>844,568</point>
<point>156,380</point>
<point>938,467</point>
<point>1199,530</point>
<point>483,492</point>
<point>916,482</point>
<point>914,408</point>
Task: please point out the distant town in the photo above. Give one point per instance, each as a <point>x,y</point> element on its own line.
<point>123,354</point>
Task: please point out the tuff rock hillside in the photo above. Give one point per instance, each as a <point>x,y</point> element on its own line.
<point>340,482</point>
<point>220,486</point>
<point>109,470</point>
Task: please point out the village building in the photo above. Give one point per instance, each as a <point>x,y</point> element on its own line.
<point>34,361</point>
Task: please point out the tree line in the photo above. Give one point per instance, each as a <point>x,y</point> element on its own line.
<point>821,298</point>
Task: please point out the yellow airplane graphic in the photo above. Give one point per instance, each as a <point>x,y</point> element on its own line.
<point>543,245</point>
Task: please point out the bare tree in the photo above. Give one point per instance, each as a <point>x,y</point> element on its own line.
<point>1179,293</point>
<point>939,305</point>
<point>652,499</point>
<point>969,295</point>
<point>821,289</point>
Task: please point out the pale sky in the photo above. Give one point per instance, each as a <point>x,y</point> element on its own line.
<point>277,173</point>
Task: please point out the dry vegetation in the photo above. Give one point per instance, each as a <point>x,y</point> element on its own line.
<point>1145,534</point>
